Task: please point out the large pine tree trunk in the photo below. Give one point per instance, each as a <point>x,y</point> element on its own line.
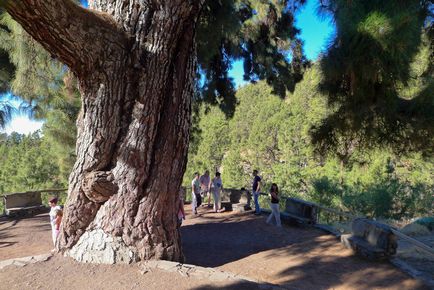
<point>133,129</point>
<point>132,145</point>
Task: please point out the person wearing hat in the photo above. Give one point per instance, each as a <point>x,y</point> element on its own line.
<point>55,218</point>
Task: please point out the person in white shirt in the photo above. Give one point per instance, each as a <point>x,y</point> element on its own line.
<point>205,186</point>
<point>196,199</point>
<point>55,218</point>
<point>217,187</point>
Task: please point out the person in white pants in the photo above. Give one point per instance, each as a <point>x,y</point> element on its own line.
<point>55,218</point>
<point>274,192</point>
<point>217,187</point>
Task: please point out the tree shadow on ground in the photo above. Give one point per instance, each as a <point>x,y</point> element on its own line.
<point>330,271</point>
<point>239,285</point>
<point>8,224</point>
<point>6,244</point>
<point>293,257</point>
<point>214,243</point>
<point>5,226</point>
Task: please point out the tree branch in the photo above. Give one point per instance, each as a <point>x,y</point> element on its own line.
<point>77,36</point>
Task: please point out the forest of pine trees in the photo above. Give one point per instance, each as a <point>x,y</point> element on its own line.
<point>274,136</point>
<point>338,137</point>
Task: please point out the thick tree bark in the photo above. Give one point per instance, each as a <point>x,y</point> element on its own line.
<point>135,60</point>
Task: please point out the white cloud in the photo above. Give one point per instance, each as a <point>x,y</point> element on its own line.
<point>23,125</point>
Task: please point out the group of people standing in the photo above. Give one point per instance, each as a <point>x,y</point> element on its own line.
<point>202,186</point>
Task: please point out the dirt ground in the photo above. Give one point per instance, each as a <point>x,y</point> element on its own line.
<point>290,257</point>
<point>25,237</point>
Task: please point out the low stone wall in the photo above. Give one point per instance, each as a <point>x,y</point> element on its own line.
<point>302,210</point>
<point>376,234</point>
<point>23,204</point>
<point>236,196</point>
<point>228,195</point>
<point>371,239</point>
<point>25,199</point>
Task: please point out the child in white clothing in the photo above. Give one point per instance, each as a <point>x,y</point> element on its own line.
<point>55,218</point>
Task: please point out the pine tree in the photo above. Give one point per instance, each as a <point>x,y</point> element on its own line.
<point>6,67</point>
<point>6,72</point>
<point>261,34</point>
<point>26,164</point>
<point>47,89</point>
<point>37,77</point>
<point>365,70</point>
<point>274,136</point>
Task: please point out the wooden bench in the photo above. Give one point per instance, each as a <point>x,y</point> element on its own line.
<point>371,239</point>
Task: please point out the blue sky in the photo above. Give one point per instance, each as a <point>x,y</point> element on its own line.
<point>20,122</point>
<point>315,33</point>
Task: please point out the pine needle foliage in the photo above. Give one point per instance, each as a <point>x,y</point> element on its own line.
<point>26,164</point>
<point>48,90</point>
<point>37,76</point>
<point>369,71</point>
<point>260,33</point>
<point>6,71</point>
<point>6,111</point>
<point>273,135</point>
